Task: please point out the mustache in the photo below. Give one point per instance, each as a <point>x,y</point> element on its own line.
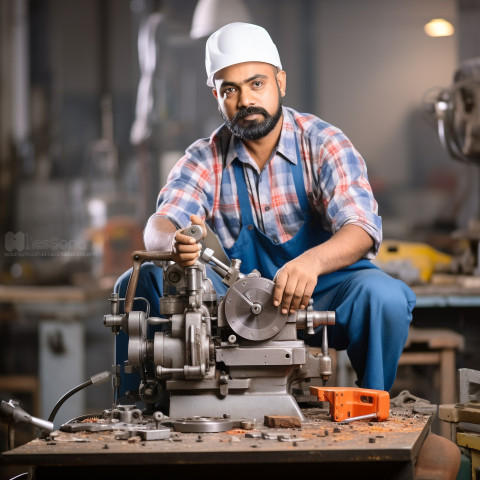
<point>245,111</point>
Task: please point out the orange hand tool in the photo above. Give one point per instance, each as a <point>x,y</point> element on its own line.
<point>351,403</point>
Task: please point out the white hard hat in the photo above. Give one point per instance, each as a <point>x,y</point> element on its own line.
<point>237,43</point>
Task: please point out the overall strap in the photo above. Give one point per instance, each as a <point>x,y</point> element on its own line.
<point>297,171</point>
<point>242,190</point>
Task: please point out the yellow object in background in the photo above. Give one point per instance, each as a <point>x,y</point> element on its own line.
<point>424,258</point>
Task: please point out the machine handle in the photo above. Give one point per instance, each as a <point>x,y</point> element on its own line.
<point>140,256</point>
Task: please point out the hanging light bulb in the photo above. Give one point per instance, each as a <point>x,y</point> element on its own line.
<point>439,27</point>
<point>210,15</point>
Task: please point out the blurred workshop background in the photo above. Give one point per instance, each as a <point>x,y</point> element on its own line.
<point>99,98</point>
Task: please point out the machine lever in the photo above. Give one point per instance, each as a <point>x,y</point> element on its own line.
<point>140,256</point>
<point>207,256</point>
<point>256,308</point>
<point>230,274</point>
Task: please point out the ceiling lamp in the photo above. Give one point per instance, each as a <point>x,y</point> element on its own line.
<point>210,15</point>
<point>439,27</point>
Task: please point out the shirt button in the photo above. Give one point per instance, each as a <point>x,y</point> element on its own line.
<point>267,208</point>
<point>250,227</point>
<point>275,241</point>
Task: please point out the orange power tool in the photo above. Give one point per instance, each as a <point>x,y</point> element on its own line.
<point>350,403</point>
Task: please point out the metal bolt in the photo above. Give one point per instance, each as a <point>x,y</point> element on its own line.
<point>173,277</point>
<point>256,308</point>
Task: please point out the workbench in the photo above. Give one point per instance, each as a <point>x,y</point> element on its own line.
<point>360,449</point>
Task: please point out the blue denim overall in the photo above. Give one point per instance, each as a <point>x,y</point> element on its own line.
<point>373,310</point>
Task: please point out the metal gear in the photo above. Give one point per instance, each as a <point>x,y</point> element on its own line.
<point>249,309</point>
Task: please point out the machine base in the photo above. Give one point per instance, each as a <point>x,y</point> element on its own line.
<point>252,407</point>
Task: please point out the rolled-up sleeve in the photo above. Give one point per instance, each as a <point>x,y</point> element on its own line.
<point>188,190</point>
<point>346,192</point>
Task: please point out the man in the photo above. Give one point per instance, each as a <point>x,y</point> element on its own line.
<point>288,194</point>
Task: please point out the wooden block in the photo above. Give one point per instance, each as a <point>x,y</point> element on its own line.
<point>448,413</point>
<point>459,413</point>
<point>469,440</point>
<point>282,421</point>
<point>469,414</point>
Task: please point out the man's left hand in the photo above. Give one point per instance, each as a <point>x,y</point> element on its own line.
<point>296,280</point>
<point>294,285</point>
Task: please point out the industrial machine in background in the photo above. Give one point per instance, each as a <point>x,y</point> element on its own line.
<point>457,113</point>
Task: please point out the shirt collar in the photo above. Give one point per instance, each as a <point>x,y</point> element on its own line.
<point>285,148</point>
<point>286,144</point>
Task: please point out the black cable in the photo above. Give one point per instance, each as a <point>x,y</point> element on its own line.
<point>65,397</point>
<point>97,379</point>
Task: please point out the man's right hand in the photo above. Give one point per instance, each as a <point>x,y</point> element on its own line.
<point>161,235</point>
<point>185,249</point>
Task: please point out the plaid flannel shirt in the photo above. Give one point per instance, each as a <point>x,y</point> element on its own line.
<point>335,177</point>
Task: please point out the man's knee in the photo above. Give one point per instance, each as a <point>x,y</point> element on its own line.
<point>121,284</point>
<point>388,293</point>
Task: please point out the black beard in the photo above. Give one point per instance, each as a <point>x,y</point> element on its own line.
<point>254,129</point>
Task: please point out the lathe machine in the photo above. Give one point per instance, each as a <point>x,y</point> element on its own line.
<point>232,357</point>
